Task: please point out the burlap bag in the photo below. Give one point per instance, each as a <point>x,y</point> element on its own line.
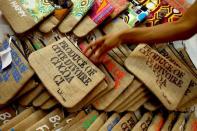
<point>157,123</point>
<point>144,122</point>
<point>191,123</point>
<point>111,122</point>
<point>119,53</point>
<point>99,12</point>
<point>180,123</point>
<point>122,79</point>
<point>109,80</point>
<point>30,120</point>
<point>46,122</point>
<point>14,77</point>
<point>79,10</point>
<point>133,87</point>
<point>41,99</point>
<point>116,57</point>
<point>130,99</point>
<point>71,76</point>
<point>65,121</point>
<point>26,99</point>
<point>183,57</point>
<point>22,15</point>
<point>162,77</point>
<point>17,119</point>
<point>169,122</point>
<point>80,115</point>
<point>7,114</point>
<point>49,104</point>
<point>138,102</point>
<point>152,104</point>
<point>85,123</point>
<point>126,20</point>
<point>191,92</point>
<point>127,122</point>
<point>30,85</point>
<point>98,123</point>
<point>89,97</point>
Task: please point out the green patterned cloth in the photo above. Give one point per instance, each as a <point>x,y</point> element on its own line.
<point>81,7</point>
<point>37,8</point>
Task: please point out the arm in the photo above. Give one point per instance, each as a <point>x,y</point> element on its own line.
<point>184,28</point>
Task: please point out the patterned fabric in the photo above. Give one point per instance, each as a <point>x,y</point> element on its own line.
<point>81,7</point>
<point>100,11</point>
<point>16,69</point>
<point>160,12</point>
<point>181,5</point>
<point>37,8</point>
<point>119,6</point>
<point>134,15</point>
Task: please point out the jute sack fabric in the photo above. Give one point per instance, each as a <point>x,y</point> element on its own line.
<point>65,71</point>
<point>122,80</point>
<point>52,102</point>
<point>89,97</point>
<point>99,12</point>
<point>133,87</point>
<point>169,122</point>
<point>22,16</point>
<point>15,76</point>
<point>162,77</point>
<point>126,20</point>
<point>180,122</point>
<point>79,10</point>
<point>157,122</point>
<point>99,122</point>
<point>11,123</point>
<point>191,123</point>
<point>144,122</point>
<point>46,122</point>
<point>138,102</point>
<point>84,123</point>
<point>127,122</point>
<point>191,92</point>
<point>111,122</point>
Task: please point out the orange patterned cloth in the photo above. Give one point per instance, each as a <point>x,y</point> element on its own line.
<point>160,12</point>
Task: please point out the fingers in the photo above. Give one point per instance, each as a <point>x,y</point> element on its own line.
<point>92,47</point>
<point>100,51</point>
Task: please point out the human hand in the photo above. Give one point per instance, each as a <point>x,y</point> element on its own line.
<point>99,48</point>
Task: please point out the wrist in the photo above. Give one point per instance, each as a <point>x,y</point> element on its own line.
<point>123,35</point>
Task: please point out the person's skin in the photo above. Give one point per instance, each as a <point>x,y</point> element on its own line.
<point>182,29</point>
